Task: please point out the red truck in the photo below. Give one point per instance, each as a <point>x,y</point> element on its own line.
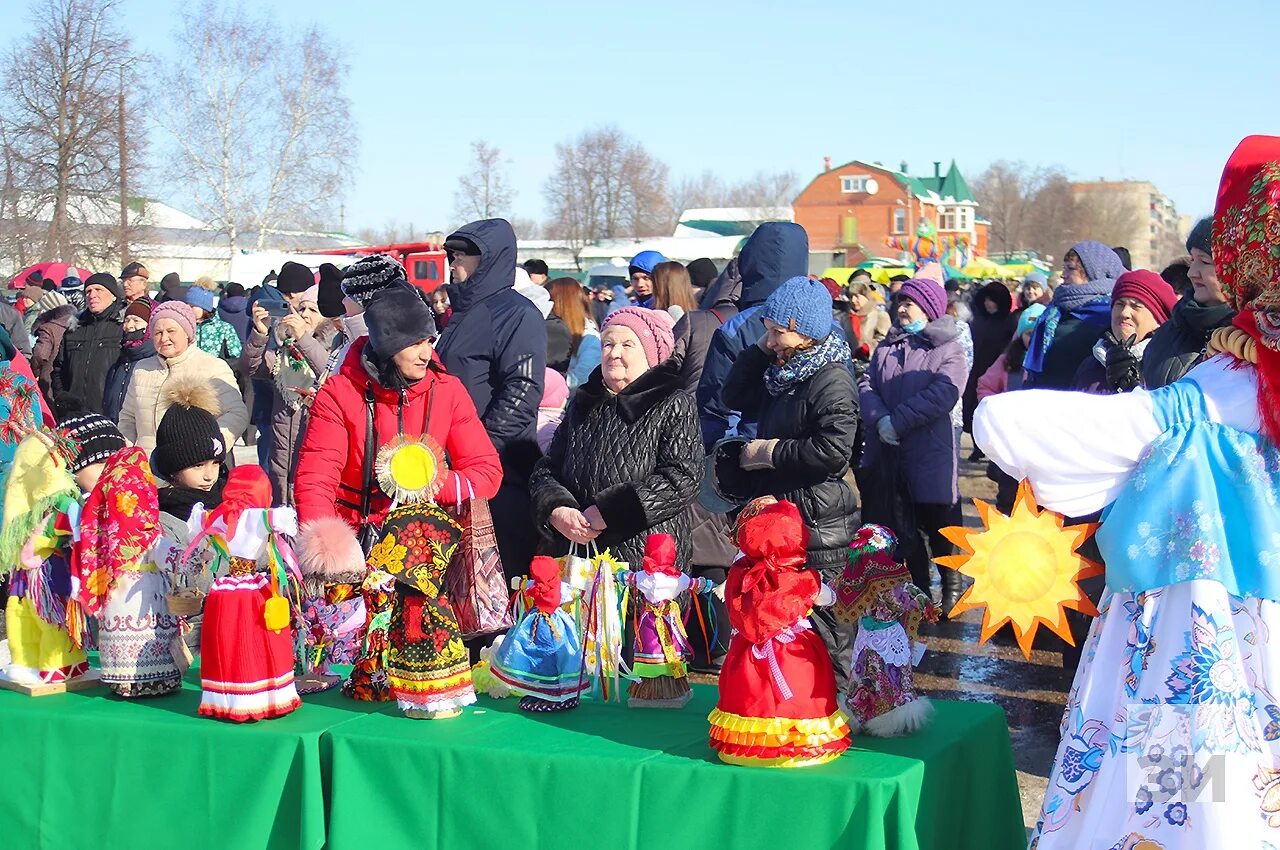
<point>424,262</point>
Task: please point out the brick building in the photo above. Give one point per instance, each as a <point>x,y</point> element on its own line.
<point>850,211</point>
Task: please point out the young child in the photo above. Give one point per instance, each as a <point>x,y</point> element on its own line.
<point>540,657</point>
<point>96,439</point>
<point>190,451</point>
<point>555,396</point>
<point>213,335</point>
<point>246,649</point>
<point>777,703</point>
<point>118,576</point>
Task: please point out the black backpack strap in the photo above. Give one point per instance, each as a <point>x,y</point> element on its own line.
<point>370,449</point>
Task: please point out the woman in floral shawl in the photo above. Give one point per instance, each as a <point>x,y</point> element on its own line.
<point>1172,728</point>
<point>116,578</point>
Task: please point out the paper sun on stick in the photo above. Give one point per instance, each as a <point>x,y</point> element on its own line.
<point>1025,569</point>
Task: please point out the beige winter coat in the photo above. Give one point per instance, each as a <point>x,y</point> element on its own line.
<point>147,398</point>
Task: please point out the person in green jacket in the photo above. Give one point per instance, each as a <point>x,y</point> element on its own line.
<point>213,335</point>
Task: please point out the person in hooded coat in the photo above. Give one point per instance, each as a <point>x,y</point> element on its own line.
<point>496,344</point>
<point>1176,346</point>
<point>11,321</point>
<point>1079,315</point>
<point>775,252</point>
<point>57,315</point>
<point>992,326</point>
<point>233,308</point>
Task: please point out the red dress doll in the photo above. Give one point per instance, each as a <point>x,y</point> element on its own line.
<point>777,704</point>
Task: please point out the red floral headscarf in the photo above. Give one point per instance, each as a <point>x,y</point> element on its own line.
<point>119,524</point>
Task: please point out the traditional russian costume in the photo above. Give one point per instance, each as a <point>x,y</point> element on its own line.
<point>41,509</point>
<point>777,705</point>
<point>660,646</point>
<point>118,576</point>
<point>1171,734</point>
<point>540,657</point>
<point>876,594</point>
<point>246,645</point>
<point>368,678</point>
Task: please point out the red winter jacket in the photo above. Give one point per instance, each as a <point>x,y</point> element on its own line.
<point>331,459</point>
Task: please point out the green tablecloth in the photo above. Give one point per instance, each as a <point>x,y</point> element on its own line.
<point>89,769</point>
<point>609,776</point>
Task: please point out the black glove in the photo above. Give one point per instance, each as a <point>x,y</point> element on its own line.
<point>1123,365</point>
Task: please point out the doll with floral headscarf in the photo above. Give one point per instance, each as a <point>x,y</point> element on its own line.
<point>121,574</point>
<point>1179,678</point>
<point>777,705</point>
<point>875,593</point>
<point>246,645</point>
<point>333,609</point>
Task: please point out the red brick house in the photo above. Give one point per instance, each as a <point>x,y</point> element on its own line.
<point>850,210</point>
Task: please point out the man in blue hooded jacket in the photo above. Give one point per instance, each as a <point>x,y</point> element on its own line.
<point>496,344</point>
<point>640,270</point>
<point>775,252</point>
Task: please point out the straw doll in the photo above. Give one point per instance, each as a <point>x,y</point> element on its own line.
<point>777,704</point>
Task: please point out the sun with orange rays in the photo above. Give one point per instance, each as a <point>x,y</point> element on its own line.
<point>1025,569</point>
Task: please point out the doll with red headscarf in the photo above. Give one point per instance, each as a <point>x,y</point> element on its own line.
<point>661,644</point>
<point>540,657</point>
<point>246,645</point>
<point>777,704</point>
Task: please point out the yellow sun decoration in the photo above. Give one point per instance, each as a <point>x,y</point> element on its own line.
<point>1025,569</point>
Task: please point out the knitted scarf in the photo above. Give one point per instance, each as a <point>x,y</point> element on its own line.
<point>1089,302</point>
<point>803,365</point>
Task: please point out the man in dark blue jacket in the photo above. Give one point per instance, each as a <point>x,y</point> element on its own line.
<point>496,344</point>
<point>776,251</point>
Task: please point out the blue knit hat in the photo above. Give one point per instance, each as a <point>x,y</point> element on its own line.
<point>801,304</point>
<point>645,262</point>
<point>198,296</point>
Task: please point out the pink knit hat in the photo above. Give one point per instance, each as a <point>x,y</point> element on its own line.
<point>179,312</point>
<point>555,390</point>
<point>653,327</point>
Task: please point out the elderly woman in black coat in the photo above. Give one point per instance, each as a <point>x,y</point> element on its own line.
<point>626,461</point>
<point>797,384</point>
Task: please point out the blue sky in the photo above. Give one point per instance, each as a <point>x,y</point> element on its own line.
<point>1115,89</point>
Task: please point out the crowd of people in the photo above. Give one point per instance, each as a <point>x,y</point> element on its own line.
<point>590,419</point>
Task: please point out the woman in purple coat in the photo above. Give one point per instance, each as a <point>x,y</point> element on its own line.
<point>907,394</point>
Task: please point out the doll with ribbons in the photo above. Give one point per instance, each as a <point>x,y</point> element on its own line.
<point>777,705</point>
<point>540,657</point>
<point>876,594</point>
<point>246,646</point>
<point>661,645</point>
<point>333,622</point>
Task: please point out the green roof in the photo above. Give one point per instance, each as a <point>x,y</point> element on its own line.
<point>949,185</point>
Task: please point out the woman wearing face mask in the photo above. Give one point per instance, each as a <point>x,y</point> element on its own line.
<point>1140,305</point>
<point>796,382</point>
<point>135,346</point>
<point>626,460</point>
<point>908,392</point>
<point>287,354</point>
<point>395,368</point>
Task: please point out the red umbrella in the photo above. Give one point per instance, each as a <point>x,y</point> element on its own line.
<point>53,271</point>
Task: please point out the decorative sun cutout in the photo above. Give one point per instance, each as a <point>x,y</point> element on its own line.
<point>410,469</point>
<point>1025,569</point>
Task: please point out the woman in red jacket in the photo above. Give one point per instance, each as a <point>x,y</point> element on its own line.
<point>397,370</point>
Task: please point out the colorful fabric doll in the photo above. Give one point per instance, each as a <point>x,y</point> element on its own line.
<point>246,645</point>
<point>876,594</point>
<point>777,704</point>
<point>368,679</point>
<point>40,509</point>
<point>428,666</point>
<point>660,646</point>
<point>333,615</point>
<point>118,575</point>
<point>540,657</point>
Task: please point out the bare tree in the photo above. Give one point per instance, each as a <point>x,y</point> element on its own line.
<point>704,190</point>
<point>606,185</point>
<point>1108,217</point>
<point>63,145</point>
<point>259,123</point>
<point>764,192</point>
<point>483,192</point>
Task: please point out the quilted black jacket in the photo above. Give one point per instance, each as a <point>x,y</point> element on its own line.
<point>637,456</point>
<point>815,426</point>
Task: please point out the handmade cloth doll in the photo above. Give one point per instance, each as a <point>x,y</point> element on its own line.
<point>777,704</point>
<point>246,646</point>
<point>119,575</point>
<point>660,645</point>
<point>428,666</point>
<point>333,614</point>
<point>876,594</point>
<point>40,510</point>
<point>540,657</point>
<point>368,678</point>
